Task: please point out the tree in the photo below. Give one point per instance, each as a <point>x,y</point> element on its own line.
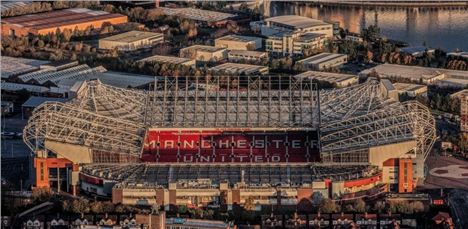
<point>249,204</point>
<point>379,206</point>
<point>371,33</point>
<point>360,206</point>
<point>96,207</point>
<point>328,206</point>
<point>81,206</point>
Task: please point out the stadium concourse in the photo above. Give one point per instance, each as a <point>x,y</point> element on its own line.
<point>277,140</point>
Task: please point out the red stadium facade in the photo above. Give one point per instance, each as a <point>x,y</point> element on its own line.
<point>230,146</point>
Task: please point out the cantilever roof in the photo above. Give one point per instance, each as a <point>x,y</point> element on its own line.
<point>298,22</point>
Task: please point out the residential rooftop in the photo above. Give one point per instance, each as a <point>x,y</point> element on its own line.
<point>322,57</point>
<point>295,21</point>
<point>166,59</point>
<point>132,36</point>
<point>197,14</point>
<point>326,76</point>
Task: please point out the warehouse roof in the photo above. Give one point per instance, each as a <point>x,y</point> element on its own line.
<point>239,68</point>
<point>238,38</point>
<point>35,101</point>
<point>298,22</point>
<point>203,48</point>
<point>13,66</point>
<point>326,76</point>
<point>197,14</point>
<point>7,86</point>
<point>408,86</point>
<point>59,18</point>
<point>165,59</point>
<point>320,58</point>
<point>309,36</point>
<point>414,72</point>
<point>132,36</point>
<point>247,53</point>
<point>124,79</point>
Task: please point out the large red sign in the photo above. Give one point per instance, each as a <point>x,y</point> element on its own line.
<point>221,146</point>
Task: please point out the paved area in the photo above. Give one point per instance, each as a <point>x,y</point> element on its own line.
<point>458,201</point>
<point>446,172</point>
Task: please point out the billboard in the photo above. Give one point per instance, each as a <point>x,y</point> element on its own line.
<point>227,146</point>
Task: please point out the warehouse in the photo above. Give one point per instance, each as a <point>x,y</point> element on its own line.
<point>207,17</point>
<point>203,53</point>
<point>246,69</point>
<point>452,78</point>
<point>323,61</point>
<point>410,89</point>
<point>337,79</point>
<point>49,22</point>
<point>131,40</point>
<point>13,66</point>
<point>236,42</point>
<point>169,60</point>
<point>240,55</point>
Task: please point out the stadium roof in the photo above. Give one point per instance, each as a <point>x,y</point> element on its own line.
<point>298,22</point>
<point>350,119</point>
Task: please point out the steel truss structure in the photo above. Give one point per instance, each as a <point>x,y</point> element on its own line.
<point>351,120</point>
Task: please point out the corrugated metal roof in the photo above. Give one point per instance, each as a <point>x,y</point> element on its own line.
<point>35,101</point>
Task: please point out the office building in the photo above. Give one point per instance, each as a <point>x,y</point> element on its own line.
<point>237,42</point>
<point>323,61</point>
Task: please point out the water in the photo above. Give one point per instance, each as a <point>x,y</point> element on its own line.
<point>438,28</point>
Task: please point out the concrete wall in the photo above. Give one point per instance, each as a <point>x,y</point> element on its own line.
<point>379,154</point>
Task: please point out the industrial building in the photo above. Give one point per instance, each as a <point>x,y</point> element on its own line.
<point>242,69</point>
<point>206,17</point>
<point>296,24</point>
<point>323,61</point>
<point>411,90</point>
<point>425,75</point>
<point>13,66</point>
<point>49,22</point>
<point>245,55</point>
<point>273,139</point>
<point>169,60</point>
<point>237,42</point>
<point>203,53</point>
<point>131,40</point>
<point>337,79</point>
<point>294,43</point>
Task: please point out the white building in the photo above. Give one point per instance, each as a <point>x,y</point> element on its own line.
<point>203,53</point>
<point>236,42</point>
<point>337,79</point>
<point>296,24</point>
<point>131,40</point>
<point>323,61</point>
<point>294,43</point>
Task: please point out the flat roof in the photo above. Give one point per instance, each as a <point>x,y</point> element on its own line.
<point>238,38</point>
<point>322,57</point>
<point>197,14</point>
<point>235,67</point>
<point>59,18</point>
<point>12,66</point>
<point>7,86</point>
<point>203,48</point>
<point>326,76</point>
<point>413,72</point>
<point>296,21</point>
<point>124,79</point>
<point>132,36</point>
<point>165,59</point>
<point>309,36</point>
<point>35,101</point>
<point>247,53</point>
<point>408,86</point>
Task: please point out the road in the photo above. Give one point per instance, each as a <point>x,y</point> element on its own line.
<point>458,201</point>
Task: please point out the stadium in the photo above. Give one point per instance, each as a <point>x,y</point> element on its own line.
<point>276,140</point>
